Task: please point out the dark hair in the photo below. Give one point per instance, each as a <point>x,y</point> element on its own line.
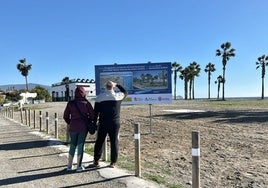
<point>109,85</point>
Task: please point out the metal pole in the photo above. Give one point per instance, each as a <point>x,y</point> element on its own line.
<point>10,112</point>
<point>195,160</point>
<point>137,150</point>
<point>29,117</point>
<point>34,118</point>
<point>21,119</point>
<point>26,120</point>
<point>12,115</point>
<point>56,125</point>
<point>150,108</point>
<point>40,121</point>
<point>47,118</point>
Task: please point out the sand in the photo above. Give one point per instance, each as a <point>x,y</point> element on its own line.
<point>233,141</point>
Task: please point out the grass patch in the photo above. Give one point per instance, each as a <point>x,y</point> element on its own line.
<point>89,149</point>
<point>238,103</point>
<point>150,165</point>
<point>157,179</point>
<point>161,180</point>
<point>62,137</point>
<point>126,163</point>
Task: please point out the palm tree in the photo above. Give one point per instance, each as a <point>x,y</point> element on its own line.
<point>209,69</point>
<point>24,69</point>
<point>190,77</point>
<point>219,81</point>
<point>175,69</point>
<point>66,82</point>
<point>225,53</point>
<point>262,62</point>
<point>194,72</point>
<point>185,77</point>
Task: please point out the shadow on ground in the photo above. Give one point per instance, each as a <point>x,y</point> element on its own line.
<point>230,116</point>
<point>28,145</point>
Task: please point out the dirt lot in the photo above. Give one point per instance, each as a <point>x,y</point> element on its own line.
<point>233,141</point>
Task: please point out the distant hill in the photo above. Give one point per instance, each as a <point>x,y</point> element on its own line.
<point>23,86</point>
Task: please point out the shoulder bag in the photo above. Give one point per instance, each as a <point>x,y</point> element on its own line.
<point>91,127</point>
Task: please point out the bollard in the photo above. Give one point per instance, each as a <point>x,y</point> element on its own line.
<point>34,118</point>
<point>150,109</point>
<point>40,121</point>
<point>29,117</point>
<point>137,150</point>
<point>21,119</point>
<point>12,115</point>
<point>195,159</point>
<point>26,119</point>
<point>56,125</point>
<point>47,118</point>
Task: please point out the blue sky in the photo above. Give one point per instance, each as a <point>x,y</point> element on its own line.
<point>68,37</point>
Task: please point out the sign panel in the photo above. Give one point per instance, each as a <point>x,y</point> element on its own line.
<point>148,83</point>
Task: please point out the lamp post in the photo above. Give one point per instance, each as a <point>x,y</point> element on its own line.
<point>67,92</point>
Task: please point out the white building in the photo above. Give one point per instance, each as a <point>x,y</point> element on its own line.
<point>61,91</point>
<point>27,98</point>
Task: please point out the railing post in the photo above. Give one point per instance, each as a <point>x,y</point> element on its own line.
<point>26,119</point>
<point>137,150</point>
<point>29,117</point>
<point>150,110</point>
<point>34,118</point>
<point>47,118</point>
<point>21,117</point>
<point>12,114</point>
<point>195,160</point>
<point>56,125</point>
<point>40,121</point>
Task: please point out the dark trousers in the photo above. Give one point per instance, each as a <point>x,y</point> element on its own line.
<point>112,131</point>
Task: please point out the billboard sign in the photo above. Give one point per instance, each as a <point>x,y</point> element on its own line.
<point>147,83</point>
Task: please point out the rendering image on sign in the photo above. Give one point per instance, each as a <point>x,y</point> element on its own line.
<point>145,83</point>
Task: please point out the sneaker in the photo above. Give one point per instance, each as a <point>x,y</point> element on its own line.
<point>80,169</point>
<point>69,168</point>
<point>112,165</point>
<point>96,163</point>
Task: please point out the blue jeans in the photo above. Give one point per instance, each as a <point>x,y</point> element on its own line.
<point>77,140</point>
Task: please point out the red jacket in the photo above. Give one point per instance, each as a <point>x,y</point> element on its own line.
<point>71,114</point>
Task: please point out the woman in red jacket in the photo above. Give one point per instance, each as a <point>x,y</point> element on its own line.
<point>73,116</point>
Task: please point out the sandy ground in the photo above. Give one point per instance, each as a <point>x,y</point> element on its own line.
<point>233,141</point>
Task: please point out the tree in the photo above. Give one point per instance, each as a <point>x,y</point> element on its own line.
<point>42,93</point>
<point>185,77</point>
<point>209,69</point>
<point>219,81</point>
<point>66,82</point>
<point>261,63</point>
<point>225,53</point>
<point>24,69</point>
<point>175,69</point>
<point>13,96</point>
<point>194,70</point>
